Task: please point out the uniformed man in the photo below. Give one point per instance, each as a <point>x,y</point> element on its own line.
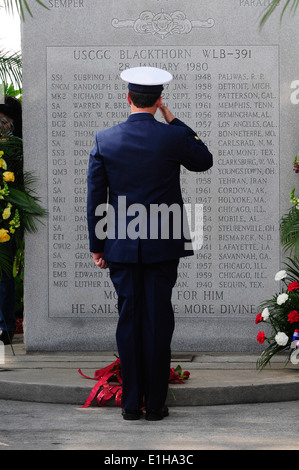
<point>135,167</point>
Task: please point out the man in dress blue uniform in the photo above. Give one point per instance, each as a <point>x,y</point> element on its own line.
<point>135,167</point>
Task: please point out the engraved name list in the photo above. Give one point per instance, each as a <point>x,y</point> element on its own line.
<point>230,96</point>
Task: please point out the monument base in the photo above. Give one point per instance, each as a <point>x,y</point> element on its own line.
<point>190,335</point>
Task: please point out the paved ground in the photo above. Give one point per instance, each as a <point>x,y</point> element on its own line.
<point>41,426</point>
<point>225,405</point>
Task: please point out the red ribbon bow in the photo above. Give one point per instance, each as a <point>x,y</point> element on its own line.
<point>176,376</point>
<point>108,390</point>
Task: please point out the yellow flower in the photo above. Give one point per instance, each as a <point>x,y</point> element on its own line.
<point>4,236</point>
<point>8,176</point>
<point>3,164</point>
<point>6,213</point>
<point>1,153</point>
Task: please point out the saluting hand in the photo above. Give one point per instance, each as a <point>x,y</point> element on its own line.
<point>168,116</point>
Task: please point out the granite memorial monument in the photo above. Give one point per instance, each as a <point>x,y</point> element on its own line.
<point>236,85</point>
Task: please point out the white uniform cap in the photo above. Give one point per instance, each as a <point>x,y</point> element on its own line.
<point>146,79</point>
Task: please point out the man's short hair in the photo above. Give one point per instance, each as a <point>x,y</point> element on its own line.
<point>144,100</point>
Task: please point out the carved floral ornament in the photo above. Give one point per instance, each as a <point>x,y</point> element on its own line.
<point>162,24</point>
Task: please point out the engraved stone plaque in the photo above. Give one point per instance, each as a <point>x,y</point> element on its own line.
<point>233,85</point>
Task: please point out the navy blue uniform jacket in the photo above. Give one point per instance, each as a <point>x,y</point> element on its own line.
<point>139,160</point>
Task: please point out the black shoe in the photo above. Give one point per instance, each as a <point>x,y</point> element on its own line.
<point>131,414</point>
<point>156,415</point>
<point>6,337</point>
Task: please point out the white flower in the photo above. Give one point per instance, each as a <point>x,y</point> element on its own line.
<point>281,339</point>
<point>282,298</point>
<point>265,314</point>
<point>280,275</point>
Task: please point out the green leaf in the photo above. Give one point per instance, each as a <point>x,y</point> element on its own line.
<point>20,6</point>
<point>293,268</point>
<point>178,369</point>
<point>272,7</point>
<point>24,202</point>
<point>289,229</point>
<point>10,69</point>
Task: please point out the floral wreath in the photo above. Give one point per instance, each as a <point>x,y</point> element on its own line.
<point>281,314</point>
<point>10,215</point>
<point>19,208</point>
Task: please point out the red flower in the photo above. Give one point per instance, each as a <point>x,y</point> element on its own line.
<point>176,376</point>
<point>259,318</point>
<point>293,316</point>
<point>261,337</point>
<point>293,285</point>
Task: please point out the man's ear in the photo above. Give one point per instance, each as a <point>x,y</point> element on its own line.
<point>158,103</point>
<point>129,99</point>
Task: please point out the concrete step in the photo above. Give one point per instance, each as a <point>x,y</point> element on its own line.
<point>215,378</point>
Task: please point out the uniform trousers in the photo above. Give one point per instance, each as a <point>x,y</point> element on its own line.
<point>144,331</point>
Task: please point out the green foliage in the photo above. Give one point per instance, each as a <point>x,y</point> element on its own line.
<point>9,90</point>
<point>10,71</point>
<point>18,198</point>
<point>289,224</point>
<point>276,314</point>
<point>293,4</point>
<point>289,229</point>
<point>18,274</point>
<point>21,6</point>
